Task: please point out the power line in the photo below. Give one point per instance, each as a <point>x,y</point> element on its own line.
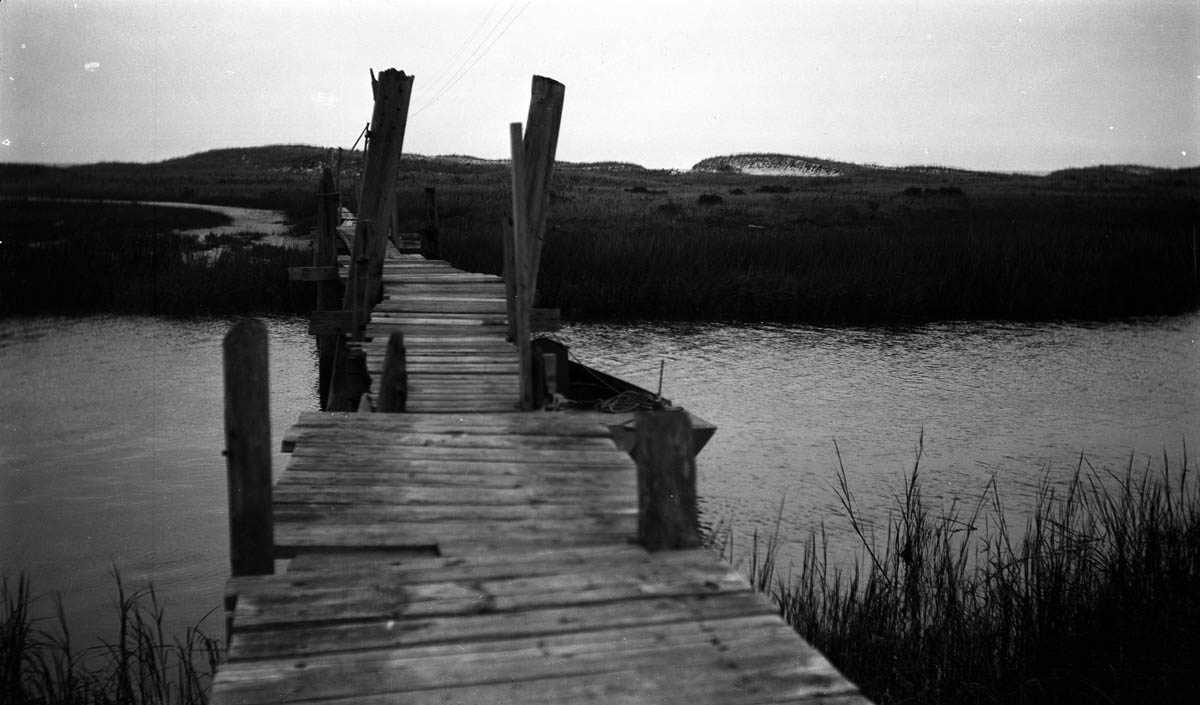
<point>462,46</point>
<point>455,65</point>
<point>467,69</point>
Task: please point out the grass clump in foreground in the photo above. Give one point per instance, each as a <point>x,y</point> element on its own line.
<point>1097,601</point>
<point>40,665</point>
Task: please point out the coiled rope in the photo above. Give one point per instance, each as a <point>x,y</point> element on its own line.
<point>632,400</point>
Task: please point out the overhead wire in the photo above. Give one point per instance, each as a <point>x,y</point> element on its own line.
<point>446,67</point>
<point>477,56</point>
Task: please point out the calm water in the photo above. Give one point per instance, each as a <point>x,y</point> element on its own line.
<point>111,431</point>
<point>111,428</point>
<point>1008,401</point>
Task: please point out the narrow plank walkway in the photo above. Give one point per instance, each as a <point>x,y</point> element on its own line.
<point>464,553</point>
<point>454,327</point>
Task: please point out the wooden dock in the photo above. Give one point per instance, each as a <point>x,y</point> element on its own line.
<point>465,551</point>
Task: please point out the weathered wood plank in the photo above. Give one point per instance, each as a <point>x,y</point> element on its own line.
<point>395,593</point>
<point>315,638</point>
<point>322,273</point>
<point>400,438</point>
<point>382,454</point>
<point>500,424</point>
<point>716,645</point>
<point>449,538</point>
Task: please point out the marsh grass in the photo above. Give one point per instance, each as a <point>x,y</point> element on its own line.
<point>39,663</point>
<point>682,261</point>
<point>1095,600</point>
<point>133,261</point>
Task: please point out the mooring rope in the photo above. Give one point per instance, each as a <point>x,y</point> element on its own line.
<point>632,400</point>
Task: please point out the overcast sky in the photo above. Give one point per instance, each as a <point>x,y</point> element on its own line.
<point>995,85</point>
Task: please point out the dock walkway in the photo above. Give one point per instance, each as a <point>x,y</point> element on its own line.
<point>467,553</point>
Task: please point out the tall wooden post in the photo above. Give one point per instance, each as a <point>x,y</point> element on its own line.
<point>541,144</point>
<point>392,89</point>
<point>329,293</point>
<point>248,449</point>
<point>520,244</point>
<point>667,512</point>
<point>532,166</point>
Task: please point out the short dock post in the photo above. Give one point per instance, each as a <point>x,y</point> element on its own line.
<point>248,449</point>
<point>393,387</point>
<point>429,237</point>
<point>667,513</point>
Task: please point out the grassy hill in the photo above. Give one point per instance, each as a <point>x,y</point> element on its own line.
<point>755,236</point>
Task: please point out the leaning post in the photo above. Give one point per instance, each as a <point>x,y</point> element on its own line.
<point>248,449</point>
<point>393,90</point>
<point>541,144</point>
<point>668,517</point>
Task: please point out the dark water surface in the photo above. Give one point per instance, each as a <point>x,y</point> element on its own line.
<point>111,431</point>
<point>111,428</point>
<point>1010,401</point>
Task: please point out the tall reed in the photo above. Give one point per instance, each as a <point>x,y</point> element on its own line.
<point>1095,600</point>
<point>40,665</point>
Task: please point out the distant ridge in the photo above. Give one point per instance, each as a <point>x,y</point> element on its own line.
<point>309,159</point>
<point>763,164</point>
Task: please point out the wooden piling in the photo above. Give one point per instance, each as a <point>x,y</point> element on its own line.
<point>509,269</point>
<point>521,275</point>
<point>329,294</point>
<point>248,449</point>
<point>541,144</point>
<point>532,167</point>
<point>393,386</point>
<point>429,237</point>
<point>392,89</point>
<point>668,517</point>
<point>349,380</point>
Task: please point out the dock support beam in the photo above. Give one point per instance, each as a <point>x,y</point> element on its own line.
<point>668,517</point>
<point>248,449</point>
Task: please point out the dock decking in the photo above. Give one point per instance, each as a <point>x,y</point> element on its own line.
<point>467,553</point>
<point>458,550</point>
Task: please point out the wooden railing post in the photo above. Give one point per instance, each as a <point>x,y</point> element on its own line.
<point>532,167</point>
<point>541,144</point>
<point>392,89</point>
<point>329,293</point>
<point>248,449</point>
<point>667,513</point>
<point>510,276</point>
<point>520,243</point>
<point>393,386</point>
